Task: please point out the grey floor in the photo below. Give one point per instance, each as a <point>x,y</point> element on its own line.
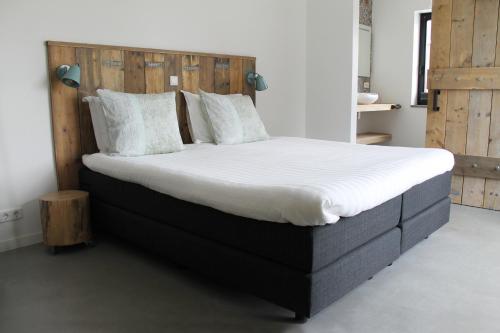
<point>448,283</point>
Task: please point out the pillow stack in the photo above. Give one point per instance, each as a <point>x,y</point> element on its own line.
<point>146,124</point>
<point>223,119</point>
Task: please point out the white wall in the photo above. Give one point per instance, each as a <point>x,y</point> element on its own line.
<point>332,69</point>
<point>271,30</point>
<point>392,67</point>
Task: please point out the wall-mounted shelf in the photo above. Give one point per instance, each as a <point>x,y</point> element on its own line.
<point>372,138</point>
<point>377,107</point>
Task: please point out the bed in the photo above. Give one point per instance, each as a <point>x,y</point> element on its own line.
<point>201,208</point>
<point>299,232</point>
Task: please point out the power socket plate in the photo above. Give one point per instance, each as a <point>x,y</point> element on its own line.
<point>9,215</point>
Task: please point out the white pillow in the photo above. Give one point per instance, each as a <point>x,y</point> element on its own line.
<point>198,122</point>
<point>223,117</point>
<point>253,128</point>
<point>98,122</point>
<point>141,124</point>
<point>199,128</point>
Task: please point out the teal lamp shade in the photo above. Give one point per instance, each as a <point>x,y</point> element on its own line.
<point>69,75</point>
<point>257,80</point>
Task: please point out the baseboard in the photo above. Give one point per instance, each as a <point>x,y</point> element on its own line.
<point>26,240</point>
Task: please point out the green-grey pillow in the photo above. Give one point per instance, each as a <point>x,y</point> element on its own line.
<point>141,124</point>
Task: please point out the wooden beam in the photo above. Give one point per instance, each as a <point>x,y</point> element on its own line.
<point>475,78</point>
<point>477,166</point>
<point>142,49</point>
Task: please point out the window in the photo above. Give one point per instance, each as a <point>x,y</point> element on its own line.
<point>424,52</point>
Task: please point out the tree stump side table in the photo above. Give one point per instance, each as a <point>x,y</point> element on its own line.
<point>65,218</point>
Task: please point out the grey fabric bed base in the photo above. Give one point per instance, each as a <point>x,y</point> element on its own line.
<point>305,294</point>
<point>304,291</point>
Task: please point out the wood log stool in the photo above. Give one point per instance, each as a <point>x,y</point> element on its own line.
<point>65,219</point>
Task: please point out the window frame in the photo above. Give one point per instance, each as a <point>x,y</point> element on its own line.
<point>422,96</point>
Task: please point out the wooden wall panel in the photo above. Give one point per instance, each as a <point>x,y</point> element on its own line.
<point>235,75</point>
<point>484,46</point>
<point>462,31</point>
<point>207,72</point>
<point>90,69</point>
<point>65,120</point>
<point>191,73</point>
<point>492,186</point>
<point>133,70</point>
<point>440,49</point>
<point>222,78</point>
<point>135,81</point>
<point>248,66</point>
<point>112,69</point>
<point>154,72</point>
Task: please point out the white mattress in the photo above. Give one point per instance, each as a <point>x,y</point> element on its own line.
<point>302,181</point>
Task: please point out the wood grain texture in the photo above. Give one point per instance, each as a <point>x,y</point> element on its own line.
<point>207,74</point>
<point>478,78</point>
<point>142,49</point>
<point>65,218</point>
<point>222,77</point>
<point>65,120</point>
<point>135,81</point>
<point>248,66</point>
<point>484,52</point>
<point>112,70</point>
<point>154,72</point>
<point>462,32</point>
<point>235,75</point>
<point>492,186</point>
<point>440,58</point>
<point>134,70</point>
<point>90,69</point>
<point>191,73</point>
<point>477,166</point>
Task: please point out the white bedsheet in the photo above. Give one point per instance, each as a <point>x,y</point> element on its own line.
<point>302,181</point>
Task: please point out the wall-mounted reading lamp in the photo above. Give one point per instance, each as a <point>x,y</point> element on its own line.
<point>257,80</point>
<point>69,75</point>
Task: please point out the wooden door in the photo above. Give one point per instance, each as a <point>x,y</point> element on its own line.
<point>463,114</point>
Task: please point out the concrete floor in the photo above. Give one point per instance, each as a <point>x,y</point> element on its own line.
<point>448,283</point>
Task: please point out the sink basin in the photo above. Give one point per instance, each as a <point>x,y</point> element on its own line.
<point>367,98</point>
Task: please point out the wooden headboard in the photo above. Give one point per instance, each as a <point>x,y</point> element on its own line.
<point>134,70</point>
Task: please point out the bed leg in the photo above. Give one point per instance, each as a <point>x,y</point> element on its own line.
<point>300,318</point>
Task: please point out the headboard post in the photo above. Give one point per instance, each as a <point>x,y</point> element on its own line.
<point>134,70</point>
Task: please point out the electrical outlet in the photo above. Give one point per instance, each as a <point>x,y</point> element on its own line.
<point>174,81</point>
<point>11,215</point>
<point>366,85</point>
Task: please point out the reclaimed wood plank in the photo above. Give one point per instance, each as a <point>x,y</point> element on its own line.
<point>154,72</point>
<point>492,187</point>
<point>90,79</point>
<point>191,73</point>
<point>461,45</point>
<point>248,66</point>
<point>484,46</point>
<point>222,82</point>
<point>477,78</point>
<point>135,81</point>
<point>112,70</point>
<point>440,58</point>
<point>207,72</point>
<point>235,75</point>
<point>65,120</point>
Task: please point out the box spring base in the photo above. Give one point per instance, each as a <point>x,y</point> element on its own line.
<point>304,293</point>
